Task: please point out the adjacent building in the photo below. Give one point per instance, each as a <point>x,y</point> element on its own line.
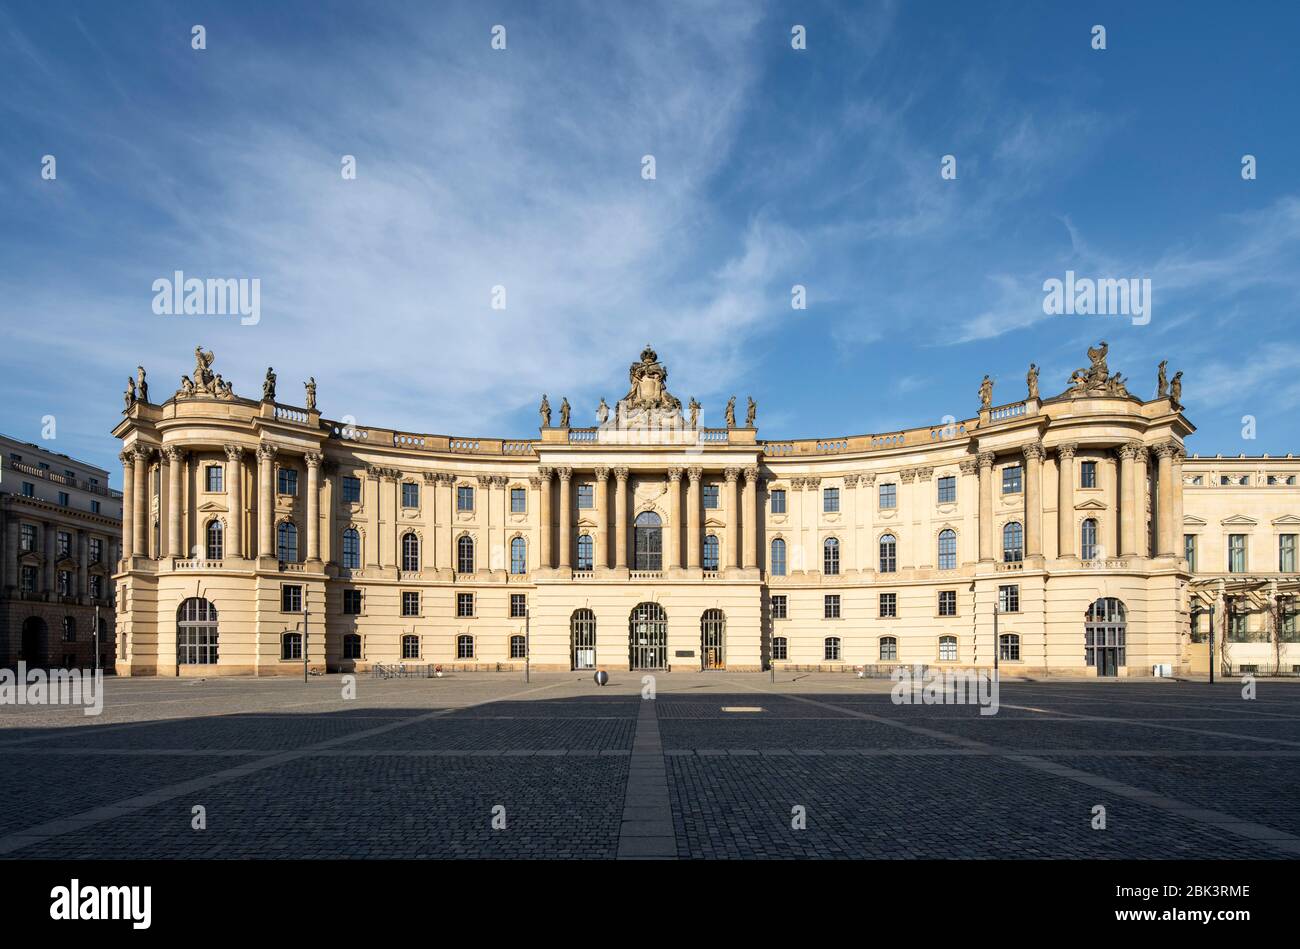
<point>1068,535</point>
<point>61,527</point>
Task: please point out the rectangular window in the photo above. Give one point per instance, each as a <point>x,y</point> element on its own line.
<point>63,499</point>
<point>948,489</point>
<point>1286,553</point>
<point>518,605</point>
<point>410,494</point>
<point>29,578</point>
<point>96,587</point>
<point>1009,598</point>
<point>518,501</point>
<point>94,507</point>
<point>215,481</point>
<point>830,500</point>
<point>29,489</point>
<point>291,598</point>
<point>948,648</point>
<point>63,544</point>
<point>352,602</point>
<point>64,581</point>
<point>350,490</point>
<point>831,606</point>
<point>947,602</point>
<point>27,539</point>
<point>464,497</point>
<point>1011,483</point>
<point>778,501</point>
<point>779,607</point>
<point>287,482</point>
<point>586,497</point>
<point>779,649</point>
<point>351,646</point>
<point>464,604</point>
<point>1189,551</point>
<point>1236,553</point>
<point>710,496</point>
<point>888,496</point>
<point>1087,474</point>
<point>888,605</point>
<point>410,603</point>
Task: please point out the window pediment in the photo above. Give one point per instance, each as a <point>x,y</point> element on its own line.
<point>1092,504</point>
<point>1239,520</point>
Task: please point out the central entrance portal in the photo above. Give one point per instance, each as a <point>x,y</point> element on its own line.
<point>582,632</point>
<point>713,639</point>
<point>648,637</point>
<point>1105,630</point>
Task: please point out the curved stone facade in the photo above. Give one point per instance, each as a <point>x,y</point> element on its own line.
<point>467,552</point>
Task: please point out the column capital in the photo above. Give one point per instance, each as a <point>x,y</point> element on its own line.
<point>850,481</point>
<point>868,478</point>
<point>812,483</point>
<point>1165,450</point>
<point>266,452</point>
<point>485,481</point>
<point>234,452</point>
<point>499,481</point>
<point>602,472</point>
<point>431,477</point>
<point>565,473</point>
<point>907,475</point>
<point>986,459</point>
<point>732,475</point>
<point>925,474</point>
<point>127,457</point>
<point>1066,450</point>
<point>968,467</point>
<point>173,454</point>
<point>696,472</point>
<point>1034,451</point>
<point>313,459</point>
<point>1129,450</point>
<point>751,474</point>
<point>140,453</point>
<point>537,481</point>
<point>621,473</point>
<point>675,475</point>
<point>545,472</point>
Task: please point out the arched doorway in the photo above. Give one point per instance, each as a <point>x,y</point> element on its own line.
<point>34,642</point>
<point>196,633</point>
<point>1104,632</point>
<point>648,529</point>
<point>582,639</point>
<point>648,637</point>
<point>713,639</point>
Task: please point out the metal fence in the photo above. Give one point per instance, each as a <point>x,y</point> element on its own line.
<point>403,670</point>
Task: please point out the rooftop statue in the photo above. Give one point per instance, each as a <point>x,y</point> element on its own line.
<point>310,386</point>
<point>141,384</point>
<point>986,392</point>
<point>1162,381</point>
<point>1176,390</point>
<point>1097,379</point>
<point>545,411</point>
<point>648,401</point>
<point>1032,380</point>
<point>602,411</point>
<point>268,386</point>
<point>564,413</point>
<point>731,412</point>
<point>695,413</point>
<point>751,412</point>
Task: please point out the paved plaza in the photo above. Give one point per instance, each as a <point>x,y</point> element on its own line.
<point>716,766</point>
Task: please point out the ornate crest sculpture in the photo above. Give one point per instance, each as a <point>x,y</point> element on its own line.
<point>205,381</point>
<point>1096,380</point>
<point>648,401</point>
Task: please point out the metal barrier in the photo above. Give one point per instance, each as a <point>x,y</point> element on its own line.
<point>403,671</point>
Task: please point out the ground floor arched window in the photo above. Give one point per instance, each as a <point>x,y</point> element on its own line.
<point>1105,630</point>
<point>713,639</point>
<point>648,637</point>
<point>831,651</point>
<point>196,632</point>
<point>291,647</point>
<point>780,648</point>
<point>948,648</point>
<point>464,647</point>
<point>582,639</point>
<point>518,649</point>
<point>410,646</point>
<point>1009,647</point>
<point>888,648</point>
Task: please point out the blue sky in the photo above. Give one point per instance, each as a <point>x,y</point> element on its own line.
<point>522,168</point>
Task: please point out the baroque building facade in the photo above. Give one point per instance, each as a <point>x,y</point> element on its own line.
<point>60,525</point>
<point>1062,535</point>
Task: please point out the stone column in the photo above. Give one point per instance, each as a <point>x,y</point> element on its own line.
<point>128,505</point>
<point>1128,514</point>
<point>544,516</point>
<point>967,484</point>
<point>429,515</point>
<point>1065,499</point>
<point>849,507</point>
<point>566,530</point>
<point>175,543</point>
<point>601,558</point>
<point>313,459</point>
<point>1141,501</point>
<point>140,517</point>
<point>864,506</point>
<point>1176,501</point>
<point>493,556</point>
<point>794,553</point>
<point>266,502</point>
<point>620,518</point>
<point>734,546</point>
<point>83,564</point>
<point>809,517</point>
<point>235,499</point>
<point>986,505</point>
<point>923,503</point>
<point>49,529</point>
<point>750,554</point>
<point>1164,500</point>
<point>693,517</point>
<point>1033,499</point>
<point>673,536</point>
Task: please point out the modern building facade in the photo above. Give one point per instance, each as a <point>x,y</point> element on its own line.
<point>61,529</point>
<point>1063,535</point>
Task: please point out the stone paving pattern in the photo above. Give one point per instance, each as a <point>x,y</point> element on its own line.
<point>415,768</point>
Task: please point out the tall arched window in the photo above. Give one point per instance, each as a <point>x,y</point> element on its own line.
<point>889,648</point>
<point>777,565</point>
<point>1009,647</point>
<point>216,546</point>
<point>649,541</point>
<point>947,549</point>
<point>410,646</point>
<point>831,556</point>
<point>410,552</point>
<point>711,552</point>
<point>196,633</point>
<point>351,549</point>
<point>518,647</point>
<point>888,554</point>
<point>291,647</point>
<point>586,552</point>
<point>518,555</point>
<point>1013,542</point>
<point>1088,540</point>
<point>464,647</point>
<point>465,554</point>
<point>286,538</point>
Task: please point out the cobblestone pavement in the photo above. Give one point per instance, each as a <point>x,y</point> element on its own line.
<point>721,766</point>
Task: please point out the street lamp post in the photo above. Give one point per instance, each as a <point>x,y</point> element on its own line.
<point>1211,644</point>
<point>528,645</point>
<point>304,640</point>
<point>96,637</point>
<point>996,645</point>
